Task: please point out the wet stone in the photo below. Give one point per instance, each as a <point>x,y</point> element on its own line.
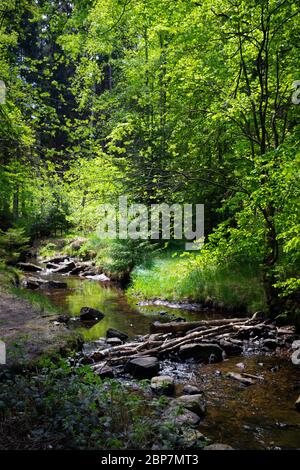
<point>90,314</point>
<point>114,341</point>
<point>295,358</point>
<point>201,352</point>
<point>114,333</point>
<point>163,385</point>
<point>180,416</point>
<point>191,390</point>
<point>239,378</point>
<point>194,403</point>
<point>144,367</point>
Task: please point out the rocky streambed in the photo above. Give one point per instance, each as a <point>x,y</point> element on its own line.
<point>233,380</point>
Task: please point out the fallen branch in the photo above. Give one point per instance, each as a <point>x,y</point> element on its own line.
<point>183,327</point>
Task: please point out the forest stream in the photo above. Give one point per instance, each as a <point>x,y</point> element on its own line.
<point>261,416</point>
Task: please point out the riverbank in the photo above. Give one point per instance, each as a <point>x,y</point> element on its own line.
<point>149,272</point>
<point>30,334</point>
<point>80,413</point>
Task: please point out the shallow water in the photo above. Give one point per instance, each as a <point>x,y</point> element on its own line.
<point>261,416</point>
<point>119,311</point>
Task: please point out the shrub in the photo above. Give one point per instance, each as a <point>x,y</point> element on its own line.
<point>62,407</point>
<point>13,243</point>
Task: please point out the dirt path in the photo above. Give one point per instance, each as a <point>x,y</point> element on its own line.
<point>28,333</point>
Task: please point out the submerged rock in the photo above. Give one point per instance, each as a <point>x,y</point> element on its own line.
<point>163,385</point>
<point>144,367</point>
<point>244,380</point>
<point>205,352</point>
<point>89,314</point>
<point>240,365</point>
<point>113,333</point>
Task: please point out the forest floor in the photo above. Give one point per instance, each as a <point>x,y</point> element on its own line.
<point>30,334</point>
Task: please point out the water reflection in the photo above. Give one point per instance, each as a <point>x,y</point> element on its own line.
<point>119,312</point>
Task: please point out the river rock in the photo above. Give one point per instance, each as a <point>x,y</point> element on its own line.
<point>180,416</point>
<point>191,390</point>
<point>297,404</point>
<point>65,268</point>
<point>192,437</point>
<point>114,341</point>
<point>89,314</point>
<point>104,372</point>
<point>231,348</point>
<point>163,385</point>
<point>36,283</point>
<point>143,367</point>
<point>30,283</point>
<point>194,403</point>
<point>252,331</point>
<point>270,343</point>
<point>218,446</point>
<point>240,365</point>
<point>30,267</point>
<point>296,344</point>
<point>113,333</point>
<point>295,357</point>
<point>63,318</point>
<point>205,352</point>
<point>243,380</point>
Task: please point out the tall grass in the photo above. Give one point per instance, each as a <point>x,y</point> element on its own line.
<point>175,278</point>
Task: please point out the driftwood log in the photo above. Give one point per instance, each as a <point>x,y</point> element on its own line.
<point>166,339</point>
<point>182,327</point>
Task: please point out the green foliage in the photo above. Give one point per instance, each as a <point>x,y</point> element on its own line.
<point>13,243</point>
<point>8,276</point>
<point>200,279</point>
<point>61,407</point>
<point>117,257</point>
<point>184,102</point>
